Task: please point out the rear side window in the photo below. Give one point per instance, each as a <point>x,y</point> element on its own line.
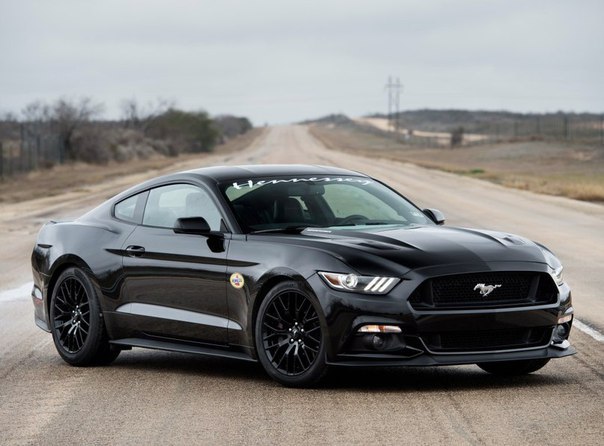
<point>130,209</point>
<point>168,203</point>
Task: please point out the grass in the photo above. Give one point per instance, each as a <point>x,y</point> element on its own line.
<point>550,167</point>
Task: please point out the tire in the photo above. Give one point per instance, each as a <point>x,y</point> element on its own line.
<point>290,339</point>
<point>513,368</point>
<point>77,326</point>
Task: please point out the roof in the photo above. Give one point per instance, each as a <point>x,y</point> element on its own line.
<point>225,173</point>
<point>218,174</point>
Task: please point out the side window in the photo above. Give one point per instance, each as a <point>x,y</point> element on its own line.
<point>168,203</point>
<point>126,210</point>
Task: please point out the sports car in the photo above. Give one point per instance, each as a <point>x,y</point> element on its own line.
<point>298,268</point>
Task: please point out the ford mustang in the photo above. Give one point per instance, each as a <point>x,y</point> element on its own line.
<point>298,268</point>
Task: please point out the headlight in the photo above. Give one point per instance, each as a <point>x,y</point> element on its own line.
<point>557,275</point>
<point>360,284</point>
<point>554,264</point>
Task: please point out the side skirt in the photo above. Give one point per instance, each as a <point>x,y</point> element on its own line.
<point>182,348</point>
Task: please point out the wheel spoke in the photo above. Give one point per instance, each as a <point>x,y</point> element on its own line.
<point>61,324</point>
<point>305,353</point>
<point>270,336</point>
<point>80,338</point>
<point>306,347</point>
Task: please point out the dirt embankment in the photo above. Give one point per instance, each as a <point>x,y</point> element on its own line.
<point>75,176</point>
<point>553,168</point>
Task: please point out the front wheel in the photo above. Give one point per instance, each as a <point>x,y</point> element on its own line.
<point>289,338</point>
<point>77,326</point>
<point>512,368</point>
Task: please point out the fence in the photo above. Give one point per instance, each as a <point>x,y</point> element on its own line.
<point>560,127</point>
<point>28,146</point>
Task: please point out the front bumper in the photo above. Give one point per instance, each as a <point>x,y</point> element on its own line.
<point>345,313</point>
<point>427,359</point>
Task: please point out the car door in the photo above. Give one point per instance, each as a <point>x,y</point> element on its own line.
<point>175,284</point>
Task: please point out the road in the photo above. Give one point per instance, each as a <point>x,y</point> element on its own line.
<point>149,397</point>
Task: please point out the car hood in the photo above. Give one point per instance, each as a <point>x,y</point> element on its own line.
<point>423,246</point>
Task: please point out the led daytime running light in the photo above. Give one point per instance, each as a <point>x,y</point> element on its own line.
<point>361,284</point>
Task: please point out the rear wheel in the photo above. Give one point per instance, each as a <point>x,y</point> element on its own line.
<point>289,338</point>
<point>77,326</point>
<point>511,368</point>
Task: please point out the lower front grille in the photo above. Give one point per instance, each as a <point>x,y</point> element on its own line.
<point>465,341</point>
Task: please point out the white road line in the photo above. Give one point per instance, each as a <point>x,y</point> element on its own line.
<point>588,330</point>
<point>24,291</point>
<point>17,293</point>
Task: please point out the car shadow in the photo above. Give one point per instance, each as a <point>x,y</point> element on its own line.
<point>435,379</point>
<point>412,379</point>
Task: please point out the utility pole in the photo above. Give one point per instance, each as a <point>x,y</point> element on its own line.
<point>394,88</point>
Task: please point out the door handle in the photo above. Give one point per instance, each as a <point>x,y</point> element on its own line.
<point>135,251</point>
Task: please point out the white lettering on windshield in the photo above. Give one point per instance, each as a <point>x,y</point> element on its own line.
<point>251,183</point>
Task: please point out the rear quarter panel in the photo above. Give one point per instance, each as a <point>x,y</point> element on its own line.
<point>92,245</point>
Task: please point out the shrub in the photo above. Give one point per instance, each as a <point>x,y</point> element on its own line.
<point>188,131</point>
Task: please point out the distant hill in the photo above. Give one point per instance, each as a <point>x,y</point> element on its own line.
<point>338,119</point>
<point>482,121</point>
<point>434,127</point>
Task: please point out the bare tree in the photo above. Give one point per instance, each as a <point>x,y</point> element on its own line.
<point>139,117</point>
<point>9,117</point>
<point>36,112</point>
<point>68,115</point>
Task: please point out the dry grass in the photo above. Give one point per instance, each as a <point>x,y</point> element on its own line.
<point>554,168</point>
<point>59,179</point>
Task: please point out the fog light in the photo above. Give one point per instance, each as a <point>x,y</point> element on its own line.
<point>380,329</point>
<point>562,332</point>
<point>377,342</point>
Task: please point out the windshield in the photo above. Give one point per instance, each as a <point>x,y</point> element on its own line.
<point>274,204</point>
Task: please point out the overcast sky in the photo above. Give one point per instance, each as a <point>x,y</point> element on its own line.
<point>282,61</point>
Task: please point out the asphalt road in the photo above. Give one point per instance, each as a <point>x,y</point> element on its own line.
<point>149,397</point>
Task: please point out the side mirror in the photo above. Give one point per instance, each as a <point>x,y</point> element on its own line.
<point>192,225</point>
<point>435,215</point>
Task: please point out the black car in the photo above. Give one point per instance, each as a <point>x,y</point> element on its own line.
<point>299,268</point>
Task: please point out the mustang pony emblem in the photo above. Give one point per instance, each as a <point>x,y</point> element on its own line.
<point>485,290</point>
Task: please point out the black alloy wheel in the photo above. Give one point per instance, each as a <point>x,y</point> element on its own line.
<point>289,337</point>
<point>71,315</point>
<point>76,322</point>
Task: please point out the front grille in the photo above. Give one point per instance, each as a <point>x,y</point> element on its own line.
<point>458,291</point>
<point>517,338</point>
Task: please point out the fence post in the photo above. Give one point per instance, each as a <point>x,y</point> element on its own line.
<point>1,162</point>
<point>566,135</point>
<point>538,125</point>
<point>37,153</point>
<point>22,149</point>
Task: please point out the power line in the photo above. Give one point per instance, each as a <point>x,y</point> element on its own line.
<point>394,88</point>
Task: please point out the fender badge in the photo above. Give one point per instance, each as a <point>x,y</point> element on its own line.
<point>237,280</point>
